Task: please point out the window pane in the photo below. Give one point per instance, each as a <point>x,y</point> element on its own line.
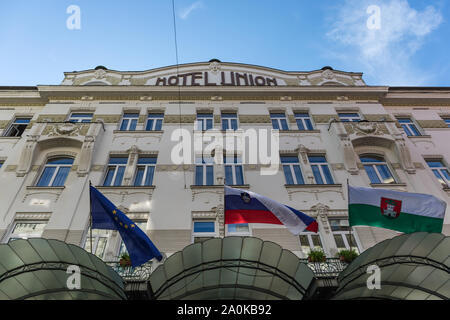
<point>28,228</point>
<point>239,175</point>
<point>438,175</point>
<point>339,242</point>
<point>317,175</point>
<point>316,241</point>
<point>101,245</point>
<point>158,125</point>
<point>46,176</point>
<point>372,174</point>
<point>284,125</point>
<point>238,227</point>
<point>327,174</point>
<point>304,242</point>
<point>275,124</point>
<point>289,159</point>
<point>204,226</point>
<point>199,175</point>
<point>298,174</point>
<point>60,161</point>
<point>414,130</point>
<point>119,176</point>
<point>300,124</point>
<point>385,173</point>
<point>109,176</point>
<point>209,124</point>
<point>209,175</point>
<point>288,175</point>
<point>124,124</point>
<point>139,176</point>
<point>234,124</point>
<point>149,178</point>
<point>149,125</point>
<point>147,160</point>
<point>434,163</point>
<point>369,159</point>
<point>317,159</point>
<point>61,177</point>
<point>133,125</point>
<point>118,160</point>
<point>224,124</point>
<point>446,173</point>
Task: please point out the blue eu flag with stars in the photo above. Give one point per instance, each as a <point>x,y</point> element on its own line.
<point>105,215</point>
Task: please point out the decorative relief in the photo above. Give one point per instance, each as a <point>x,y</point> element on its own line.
<point>99,74</point>
<point>313,189</point>
<point>52,192</point>
<point>215,67</point>
<point>322,215</point>
<point>65,129</point>
<point>177,119</point>
<point>215,190</point>
<point>33,216</point>
<point>254,119</point>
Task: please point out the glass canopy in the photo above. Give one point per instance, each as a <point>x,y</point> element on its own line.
<point>232,268</point>
<point>412,266</point>
<point>37,269</point>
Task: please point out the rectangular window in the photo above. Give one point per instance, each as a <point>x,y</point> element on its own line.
<point>241,229</point>
<point>310,241</point>
<point>115,171</point>
<point>204,172</point>
<point>203,230</point>
<point>342,236</point>
<point>80,117</point>
<point>27,230</point>
<point>55,172</point>
<point>303,121</point>
<point>292,171</point>
<point>279,121</point>
<point>154,122</point>
<point>205,121</point>
<point>233,171</point>
<point>409,127</point>
<point>129,121</point>
<point>229,121</point>
<point>377,169</point>
<point>447,121</point>
<point>145,171</point>
<point>100,239</point>
<point>349,117</point>
<point>17,128</point>
<point>440,171</point>
<point>321,171</point>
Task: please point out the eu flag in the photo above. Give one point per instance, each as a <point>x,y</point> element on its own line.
<point>105,215</point>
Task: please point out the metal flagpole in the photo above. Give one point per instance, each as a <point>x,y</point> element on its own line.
<point>348,215</point>
<point>90,214</point>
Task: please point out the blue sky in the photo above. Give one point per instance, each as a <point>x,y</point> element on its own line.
<point>411,47</point>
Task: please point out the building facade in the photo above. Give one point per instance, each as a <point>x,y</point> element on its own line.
<point>123,132</point>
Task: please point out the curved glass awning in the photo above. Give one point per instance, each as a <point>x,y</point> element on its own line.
<point>37,269</point>
<point>232,268</point>
<point>412,266</point>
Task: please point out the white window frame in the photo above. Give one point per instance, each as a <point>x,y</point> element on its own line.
<point>291,168</point>
<point>155,119</point>
<point>228,120</point>
<point>13,124</point>
<point>80,119</point>
<point>411,123</point>
<point>447,121</point>
<point>11,233</point>
<point>311,242</point>
<point>303,120</point>
<point>233,170</point>
<point>237,233</point>
<point>275,116</point>
<point>214,234</point>
<point>205,175</point>
<point>146,166</point>
<point>97,234</point>
<point>344,233</point>
<point>320,164</point>
<point>116,166</point>
<point>129,121</point>
<point>201,123</point>
<point>375,164</point>
<point>349,118</point>
<point>439,169</point>
<point>55,173</point>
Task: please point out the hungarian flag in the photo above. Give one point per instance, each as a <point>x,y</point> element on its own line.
<point>395,210</point>
<point>248,207</point>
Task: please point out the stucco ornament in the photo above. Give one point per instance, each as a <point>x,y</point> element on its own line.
<point>215,67</point>
<point>328,74</point>
<point>99,74</point>
<point>366,127</point>
<point>66,128</point>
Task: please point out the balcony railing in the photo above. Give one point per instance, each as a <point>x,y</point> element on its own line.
<point>130,274</point>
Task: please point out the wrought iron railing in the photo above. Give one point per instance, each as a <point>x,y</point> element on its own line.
<point>327,269</point>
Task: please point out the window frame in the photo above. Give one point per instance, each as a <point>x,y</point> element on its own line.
<point>347,118</point>
<point>375,166</point>
<point>278,117</point>
<point>439,170</point>
<point>204,166</point>
<point>197,234</point>
<point>344,234</point>
<point>98,234</point>
<point>410,126</point>
<point>155,117</point>
<point>202,121</point>
<point>80,119</point>
<point>56,171</point>
<point>310,241</point>
<point>237,162</point>
<point>228,117</point>
<point>292,170</point>
<point>14,125</point>
<point>302,119</point>
<point>238,233</point>
<point>24,221</point>
<point>146,168</point>
<point>447,121</point>
<point>320,166</point>
<point>134,116</point>
<point>116,165</point>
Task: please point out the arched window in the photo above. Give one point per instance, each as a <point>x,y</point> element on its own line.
<point>55,172</point>
<point>377,169</point>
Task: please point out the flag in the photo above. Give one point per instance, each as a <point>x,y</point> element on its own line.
<point>105,215</point>
<point>248,207</point>
<point>395,210</point>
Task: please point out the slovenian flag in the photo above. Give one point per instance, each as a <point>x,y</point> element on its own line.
<point>248,207</point>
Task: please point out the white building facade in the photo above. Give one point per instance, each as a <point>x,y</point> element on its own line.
<point>122,131</point>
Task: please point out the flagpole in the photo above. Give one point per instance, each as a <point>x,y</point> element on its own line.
<point>348,215</point>
<point>90,214</point>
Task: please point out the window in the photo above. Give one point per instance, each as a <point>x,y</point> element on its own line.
<point>203,230</point>
<point>233,171</point>
<point>154,122</point>
<point>129,121</point>
<point>349,117</point>
<point>17,127</point>
<point>310,241</point>
<point>141,225</point>
<point>27,230</point>
<point>279,121</point>
<point>204,171</point>
<point>99,242</point>
<point>342,236</point>
<point>292,171</point>
<point>440,171</point>
<point>55,172</point>
<point>377,169</point>
<point>205,121</point>
<point>80,117</point>
<point>145,171</point>
<point>1,163</point>
<point>409,127</point>
<point>303,121</point>
<point>115,171</point>
<point>320,169</point>
<point>229,121</point>
<point>238,229</point>
<point>447,121</point>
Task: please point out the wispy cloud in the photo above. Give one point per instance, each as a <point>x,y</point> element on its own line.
<point>385,53</point>
<point>184,14</point>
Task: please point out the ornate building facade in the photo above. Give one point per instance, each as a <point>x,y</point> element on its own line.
<point>120,131</point>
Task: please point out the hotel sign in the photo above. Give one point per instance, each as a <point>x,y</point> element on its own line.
<point>223,78</point>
